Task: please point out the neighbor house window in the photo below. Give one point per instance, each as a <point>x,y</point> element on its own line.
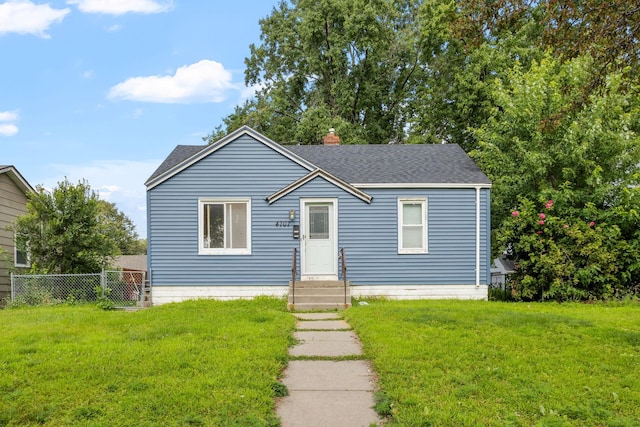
<point>21,252</point>
<point>224,226</point>
<point>412,226</point>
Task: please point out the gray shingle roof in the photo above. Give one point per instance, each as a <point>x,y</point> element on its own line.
<point>374,164</point>
<point>179,154</point>
<point>395,164</point>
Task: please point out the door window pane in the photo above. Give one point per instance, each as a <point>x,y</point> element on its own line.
<point>318,222</point>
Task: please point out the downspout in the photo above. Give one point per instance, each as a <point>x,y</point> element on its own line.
<point>477,236</point>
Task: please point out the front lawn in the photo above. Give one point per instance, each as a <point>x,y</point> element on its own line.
<point>198,363</point>
<point>466,363</point>
<point>211,363</point>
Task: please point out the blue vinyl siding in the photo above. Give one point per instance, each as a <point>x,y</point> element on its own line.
<point>243,168</point>
<point>368,232</point>
<point>370,238</point>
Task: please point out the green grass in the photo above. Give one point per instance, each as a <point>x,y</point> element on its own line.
<point>199,363</point>
<point>208,363</point>
<point>466,363</point>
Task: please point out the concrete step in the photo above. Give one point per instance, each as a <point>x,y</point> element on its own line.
<point>317,306</point>
<point>301,284</point>
<point>318,291</point>
<point>323,299</point>
<point>314,295</point>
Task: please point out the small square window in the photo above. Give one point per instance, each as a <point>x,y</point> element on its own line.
<point>412,226</point>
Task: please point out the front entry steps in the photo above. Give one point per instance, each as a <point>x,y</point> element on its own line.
<point>319,295</point>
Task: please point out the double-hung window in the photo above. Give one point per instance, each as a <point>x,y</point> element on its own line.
<point>412,226</point>
<point>224,226</point>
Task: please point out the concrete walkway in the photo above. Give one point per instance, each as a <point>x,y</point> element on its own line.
<point>327,392</point>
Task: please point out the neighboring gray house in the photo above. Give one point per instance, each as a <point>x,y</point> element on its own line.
<point>223,219</point>
<point>500,271</point>
<point>13,203</point>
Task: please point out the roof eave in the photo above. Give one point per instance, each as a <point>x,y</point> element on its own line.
<point>422,185</point>
<point>351,189</point>
<point>17,178</point>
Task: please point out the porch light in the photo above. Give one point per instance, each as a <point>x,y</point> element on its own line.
<point>292,215</point>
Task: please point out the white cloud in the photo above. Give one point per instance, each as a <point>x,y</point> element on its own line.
<point>25,17</point>
<point>120,7</point>
<point>7,127</point>
<point>117,181</point>
<point>106,190</point>
<point>204,81</point>
<point>8,116</point>
<point>87,74</point>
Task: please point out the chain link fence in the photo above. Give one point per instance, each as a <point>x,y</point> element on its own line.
<point>123,288</point>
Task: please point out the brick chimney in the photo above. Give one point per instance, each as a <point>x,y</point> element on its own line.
<point>331,138</point>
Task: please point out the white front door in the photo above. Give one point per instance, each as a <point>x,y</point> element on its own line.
<point>319,242</point>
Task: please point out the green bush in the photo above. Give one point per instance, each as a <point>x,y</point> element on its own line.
<point>34,295</point>
<point>104,300</point>
<point>563,257</point>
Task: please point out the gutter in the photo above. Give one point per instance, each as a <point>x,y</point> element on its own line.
<point>478,236</point>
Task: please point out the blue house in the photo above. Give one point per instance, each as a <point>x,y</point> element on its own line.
<point>235,218</point>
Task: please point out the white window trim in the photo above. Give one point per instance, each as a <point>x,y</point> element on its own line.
<point>222,251</point>
<point>15,255</point>
<point>425,240</point>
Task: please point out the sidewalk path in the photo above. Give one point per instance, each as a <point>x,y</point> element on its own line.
<point>328,392</point>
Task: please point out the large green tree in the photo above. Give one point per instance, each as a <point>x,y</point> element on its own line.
<point>118,228</point>
<point>543,146</point>
<point>417,70</point>
<point>480,41</point>
<point>70,230</point>
<point>347,64</point>
<point>475,44</point>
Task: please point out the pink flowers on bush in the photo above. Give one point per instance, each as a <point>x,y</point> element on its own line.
<point>542,216</point>
<point>541,222</point>
<point>549,204</point>
<point>591,224</point>
<point>515,213</point>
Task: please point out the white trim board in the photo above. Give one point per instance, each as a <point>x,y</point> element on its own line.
<point>419,185</point>
<point>167,294</point>
<point>414,292</point>
<point>327,177</point>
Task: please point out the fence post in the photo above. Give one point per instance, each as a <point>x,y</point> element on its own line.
<point>103,282</point>
<point>13,291</point>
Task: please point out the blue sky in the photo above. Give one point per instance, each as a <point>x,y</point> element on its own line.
<point>103,90</point>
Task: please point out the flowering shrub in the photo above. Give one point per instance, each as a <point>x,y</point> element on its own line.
<point>561,256</point>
